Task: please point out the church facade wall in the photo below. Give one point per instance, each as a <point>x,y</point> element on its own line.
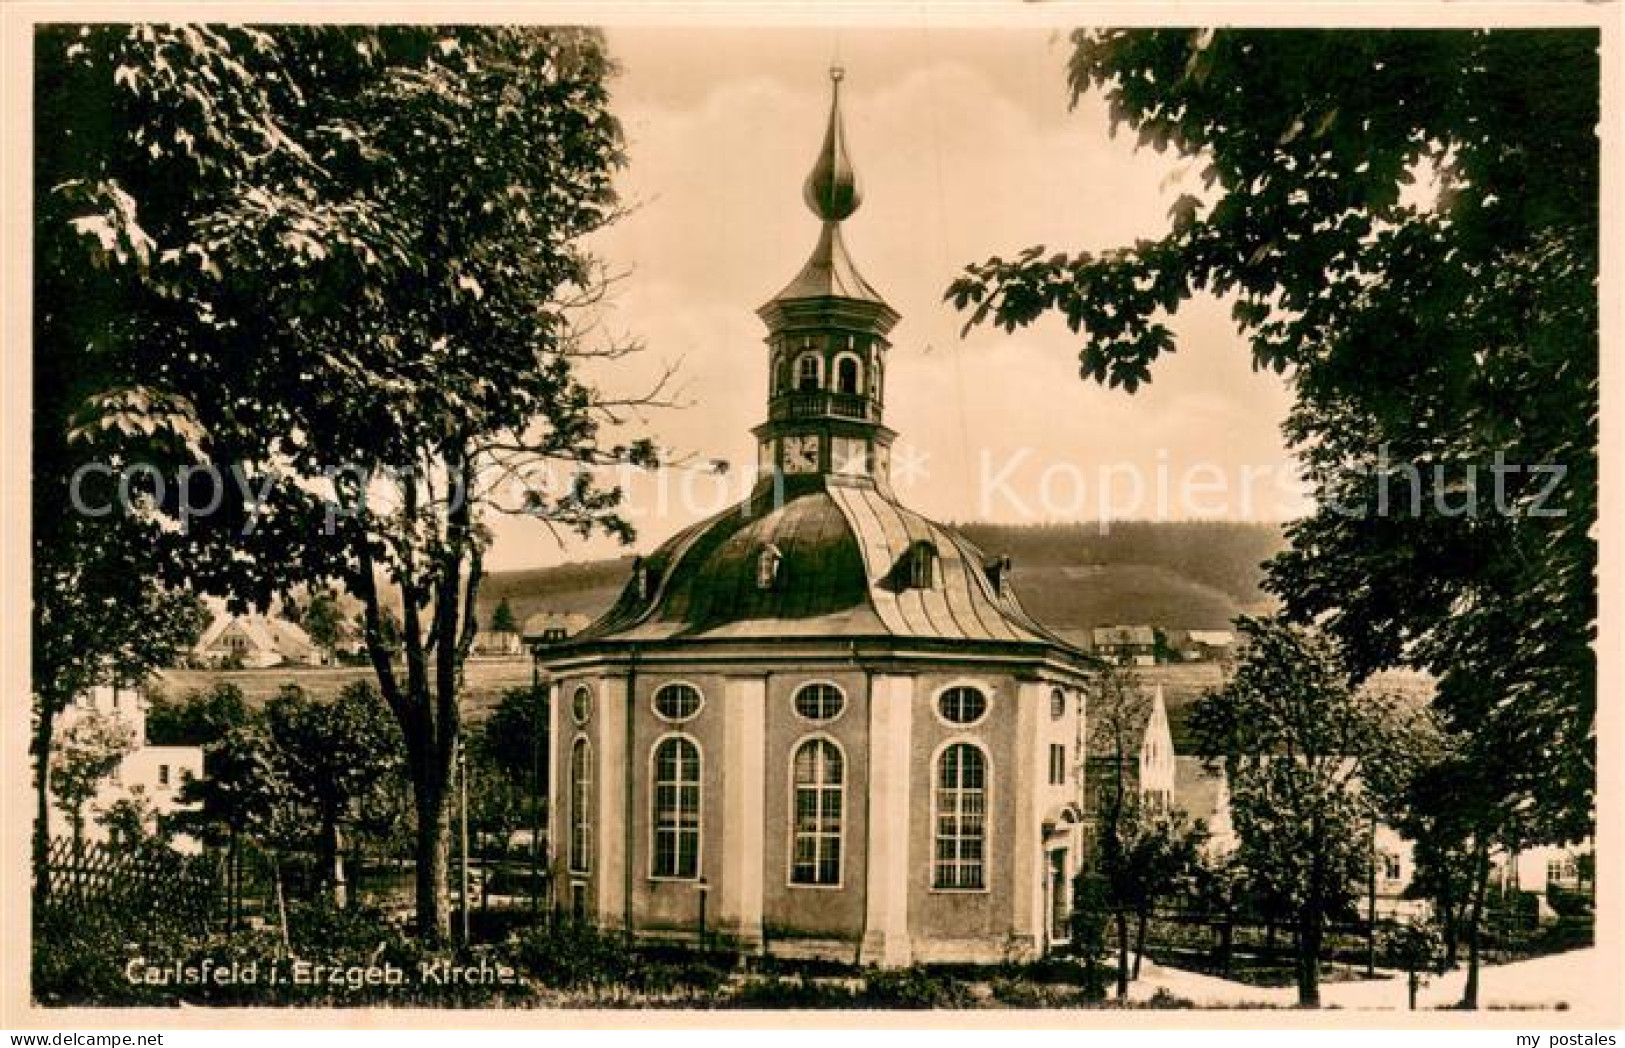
<point>888,904</point>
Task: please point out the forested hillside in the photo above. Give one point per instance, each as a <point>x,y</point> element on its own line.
<point>1180,575</point>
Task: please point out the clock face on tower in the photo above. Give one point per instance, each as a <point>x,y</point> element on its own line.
<point>801,453</point>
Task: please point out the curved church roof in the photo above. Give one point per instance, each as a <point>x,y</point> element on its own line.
<point>843,554</point>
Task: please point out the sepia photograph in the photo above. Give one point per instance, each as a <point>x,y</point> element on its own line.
<point>899,517</point>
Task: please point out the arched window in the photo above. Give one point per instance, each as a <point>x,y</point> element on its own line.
<point>848,375</point>
<point>922,565</point>
<point>1057,704</point>
<point>809,373</point>
<point>767,567</point>
<point>962,704</point>
<point>819,701</point>
<point>819,784</point>
<point>678,702</point>
<point>675,809</point>
<point>580,806</point>
<point>961,818</point>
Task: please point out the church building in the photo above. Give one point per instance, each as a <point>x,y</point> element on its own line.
<point>819,724</point>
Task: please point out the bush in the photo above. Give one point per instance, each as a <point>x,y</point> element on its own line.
<point>914,988</point>
<point>79,958</point>
<point>573,954</point>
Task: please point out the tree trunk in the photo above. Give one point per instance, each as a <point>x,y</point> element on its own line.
<point>1309,935</point>
<point>1122,954</point>
<point>42,797</point>
<point>1139,942</point>
<point>1450,915</point>
<point>1480,885</point>
<point>433,855</point>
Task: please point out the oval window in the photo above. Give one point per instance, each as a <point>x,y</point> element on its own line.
<point>677,702</point>
<point>820,702</point>
<point>581,705</point>
<point>962,705</point>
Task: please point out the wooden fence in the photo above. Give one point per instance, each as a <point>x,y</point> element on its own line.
<point>143,883</point>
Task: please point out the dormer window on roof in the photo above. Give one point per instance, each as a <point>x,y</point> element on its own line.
<point>922,565</point>
<point>998,573</point>
<point>768,564</point>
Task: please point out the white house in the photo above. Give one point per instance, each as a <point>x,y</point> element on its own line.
<point>154,774</point>
<point>255,642</point>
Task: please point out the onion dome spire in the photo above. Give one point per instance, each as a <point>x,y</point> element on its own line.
<point>831,189</point>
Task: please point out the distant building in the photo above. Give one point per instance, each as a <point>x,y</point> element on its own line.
<point>1200,645</point>
<point>255,642</point>
<point>551,627</point>
<point>153,774</point>
<point>498,643</point>
<point>1126,645</point>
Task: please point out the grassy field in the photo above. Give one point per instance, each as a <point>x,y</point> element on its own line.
<point>487,680</point>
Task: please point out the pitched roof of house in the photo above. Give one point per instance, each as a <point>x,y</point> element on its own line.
<point>539,623</point>
<point>265,632</point>
<point>1111,636</point>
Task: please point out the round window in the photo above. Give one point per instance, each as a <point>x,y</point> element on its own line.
<point>1057,704</point>
<point>820,702</point>
<point>678,702</point>
<point>962,705</point>
<point>581,704</point>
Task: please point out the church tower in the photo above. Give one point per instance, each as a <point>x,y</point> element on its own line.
<point>827,342</point>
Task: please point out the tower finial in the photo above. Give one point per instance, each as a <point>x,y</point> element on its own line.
<point>831,189</point>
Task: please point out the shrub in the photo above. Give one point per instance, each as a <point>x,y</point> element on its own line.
<point>914,988</point>
<point>573,954</point>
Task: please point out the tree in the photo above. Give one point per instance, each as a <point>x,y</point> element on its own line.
<point>1118,709</point>
<point>199,718</point>
<point>87,754</point>
<point>332,755</point>
<point>383,351</point>
<point>1406,224</point>
<point>322,620</point>
<point>1146,857</point>
<point>503,620</point>
<point>1297,740</point>
<point>132,822</point>
<point>1087,922</point>
<point>132,119</point>
<point>1448,802</point>
<point>1161,860</point>
<point>238,796</point>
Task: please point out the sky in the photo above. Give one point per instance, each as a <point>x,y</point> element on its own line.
<point>966,147</point>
